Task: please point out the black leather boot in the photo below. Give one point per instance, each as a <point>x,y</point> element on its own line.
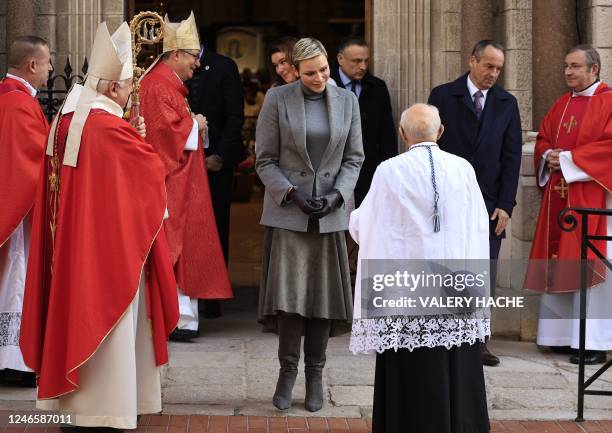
<point>315,346</point>
<point>289,341</point>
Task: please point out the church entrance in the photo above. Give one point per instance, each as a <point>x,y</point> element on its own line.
<point>243,30</point>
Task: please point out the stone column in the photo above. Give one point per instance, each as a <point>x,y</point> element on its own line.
<point>20,18</point>
<point>77,21</point>
<point>445,41</point>
<point>3,44</point>
<point>554,32</point>
<point>401,48</point>
<point>112,12</point>
<point>477,24</point>
<point>515,33</point>
<point>46,25</point>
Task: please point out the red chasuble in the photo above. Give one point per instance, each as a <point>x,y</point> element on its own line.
<point>82,278</point>
<point>570,125</point>
<point>195,249</point>
<point>23,136</point>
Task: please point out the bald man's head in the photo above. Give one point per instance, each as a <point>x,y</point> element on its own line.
<point>30,59</point>
<point>419,123</point>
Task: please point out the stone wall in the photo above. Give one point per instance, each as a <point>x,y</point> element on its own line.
<point>3,44</point>
<point>446,58</point>
<point>596,16</point>
<point>68,25</point>
<point>402,49</point>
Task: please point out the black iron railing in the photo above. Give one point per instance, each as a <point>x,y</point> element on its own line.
<point>569,222</point>
<point>51,97</point>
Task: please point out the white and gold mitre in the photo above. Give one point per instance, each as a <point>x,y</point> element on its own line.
<point>181,36</point>
<point>111,56</point>
<point>110,59</point>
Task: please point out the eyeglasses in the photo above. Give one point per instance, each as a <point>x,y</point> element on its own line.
<point>195,56</point>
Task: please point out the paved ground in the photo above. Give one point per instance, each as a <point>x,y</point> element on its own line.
<point>223,381</point>
<point>232,369</point>
<point>255,424</point>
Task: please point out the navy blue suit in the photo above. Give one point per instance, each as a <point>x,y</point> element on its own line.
<point>492,144</point>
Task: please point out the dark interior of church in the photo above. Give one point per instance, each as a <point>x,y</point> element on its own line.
<point>264,21</point>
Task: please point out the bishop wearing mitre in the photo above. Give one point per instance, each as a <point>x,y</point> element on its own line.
<point>177,135</point>
<point>100,292</point>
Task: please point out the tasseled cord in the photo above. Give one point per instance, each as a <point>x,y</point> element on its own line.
<point>436,213</point>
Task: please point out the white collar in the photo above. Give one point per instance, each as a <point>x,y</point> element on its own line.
<point>473,89</point>
<point>589,91</point>
<point>31,89</point>
<point>103,102</point>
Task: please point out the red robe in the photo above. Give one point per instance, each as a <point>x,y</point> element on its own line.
<point>109,219</point>
<point>554,258</point>
<point>195,248</point>
<point>23,137</point>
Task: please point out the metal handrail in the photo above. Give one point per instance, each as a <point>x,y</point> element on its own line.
<point>568,222</point>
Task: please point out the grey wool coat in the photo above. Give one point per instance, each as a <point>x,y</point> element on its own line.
<point>282,159</point>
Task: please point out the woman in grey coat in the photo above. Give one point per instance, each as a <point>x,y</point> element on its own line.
<point>309,153</point>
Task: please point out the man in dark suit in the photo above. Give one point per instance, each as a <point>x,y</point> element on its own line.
<point>216,92</point>
<point>483,125</point>
<point>377,128</point>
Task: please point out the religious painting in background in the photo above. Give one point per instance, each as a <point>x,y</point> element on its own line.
<point>244,45</point>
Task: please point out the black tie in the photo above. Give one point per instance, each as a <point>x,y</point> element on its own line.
<point>354,87</point>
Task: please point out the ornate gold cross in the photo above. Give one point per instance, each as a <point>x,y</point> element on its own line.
<point>561,188</point>
<point>569,125</point>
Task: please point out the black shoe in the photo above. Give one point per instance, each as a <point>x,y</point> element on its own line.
<point>212,309</point>
<point>28,379</point>
<point>12,377</point>
<point>487,357</point>
<point>183,335</point>
<point>591,357</point>
<point>564,350</point>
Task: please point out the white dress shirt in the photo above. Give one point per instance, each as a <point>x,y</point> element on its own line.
<point>473,89</point>
<point>347,81</point>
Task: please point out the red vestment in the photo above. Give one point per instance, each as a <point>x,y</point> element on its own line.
<point>81,281</point>
<point>195,249</point>
<point>23,137</point>
<point>572,124</point>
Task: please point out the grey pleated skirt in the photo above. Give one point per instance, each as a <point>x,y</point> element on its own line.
<point>306,274</point>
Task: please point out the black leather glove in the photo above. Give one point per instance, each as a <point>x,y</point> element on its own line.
<point>330,201</point>
<point>305,202</point>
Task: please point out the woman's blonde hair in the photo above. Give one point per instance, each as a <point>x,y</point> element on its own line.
<point>307,48</point>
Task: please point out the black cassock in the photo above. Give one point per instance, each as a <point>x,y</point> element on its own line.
<point>430,390</point>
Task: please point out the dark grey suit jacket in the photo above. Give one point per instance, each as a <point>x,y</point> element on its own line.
<point>282,159</point>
